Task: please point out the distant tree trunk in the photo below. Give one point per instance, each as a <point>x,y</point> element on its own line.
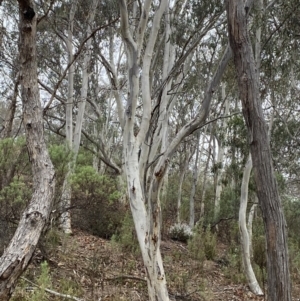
<point>182,170</point>
<point>194,184</point>
<point>202,206</point>
<point>8,123</point>
<point>17,255</point>
<point>279,286</point>
<point>245,237</point>
<point>65,201</point>
<point>219,186</point>
<point>74,140</point>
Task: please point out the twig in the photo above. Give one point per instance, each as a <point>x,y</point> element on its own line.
<point>76,54</point>
<point>53,292</point>
<point>220,220</point>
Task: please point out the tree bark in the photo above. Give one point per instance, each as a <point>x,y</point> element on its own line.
<point>184,164</point>
<point>8,123</point>
<point>65,201</point>
<point>279,286</point>
<point>194,183</point>
<point>219,185</point>
<point>16,257</point>
<point>74,137</point>
<point>245,236</point>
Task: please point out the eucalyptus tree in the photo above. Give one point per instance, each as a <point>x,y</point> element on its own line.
<point>279,286</point>
<point>69,79</point>
<point>19,252</point>
<point>244,230</point>
<point>145,162</point>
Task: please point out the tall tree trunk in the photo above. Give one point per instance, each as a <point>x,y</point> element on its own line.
<point>182,170</point>
<point>219,186</point>
<point>202,205</point>
<point>66,196</point>
<point>279,286</point>
<point>245,237</point>
<point>194,184</point>
<point>17,255</point>
<point>65,202</point>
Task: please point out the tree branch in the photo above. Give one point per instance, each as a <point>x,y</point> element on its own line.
<point>80,48</point>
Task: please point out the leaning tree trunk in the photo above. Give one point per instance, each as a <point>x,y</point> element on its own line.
<point>16,257</point>
<point>279,286</point>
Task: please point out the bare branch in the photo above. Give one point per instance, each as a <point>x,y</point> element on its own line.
<point>80,48</point>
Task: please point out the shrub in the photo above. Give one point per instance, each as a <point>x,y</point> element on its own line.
<point>181,232</point>
<point>96,199</point>
<point>202,244</point>
<point>126,237</point>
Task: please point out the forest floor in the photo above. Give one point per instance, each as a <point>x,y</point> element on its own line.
<point>94,269</point>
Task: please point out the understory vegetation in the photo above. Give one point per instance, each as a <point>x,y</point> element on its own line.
<point>99,211</point>
<point>149,150</point>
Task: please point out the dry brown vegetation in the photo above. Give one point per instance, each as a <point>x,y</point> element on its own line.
<point>91,268</point>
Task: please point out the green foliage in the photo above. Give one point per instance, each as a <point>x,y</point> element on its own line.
<point>294,257</point>
<point>203,244</point>
<point>15,185</point>
<point>259,251</point>
<point>234,271</point>
<point>126,237</point>
<point>17,192</point>
<point>230,200</point>
<point>292,213</point>
<point>12,155</point>
<point>43,282</point>
<point>96,198</point>
<point>70,287</point>
<point>60,157</point>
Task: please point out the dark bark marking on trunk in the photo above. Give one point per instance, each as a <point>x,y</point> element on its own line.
<point>29,13</point>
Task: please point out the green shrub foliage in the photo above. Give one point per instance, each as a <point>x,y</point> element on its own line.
<point>203,244</point>
<point>95,198</point>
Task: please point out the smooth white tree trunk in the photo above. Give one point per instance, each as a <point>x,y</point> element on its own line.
<point>204,175</point>
<point>194,184</point>
<point>245,238</point>
<point>65,202</point>
<point>74,138</point>
<point>219,186</point>
<point>250,224</point>
<point>144,196</point>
